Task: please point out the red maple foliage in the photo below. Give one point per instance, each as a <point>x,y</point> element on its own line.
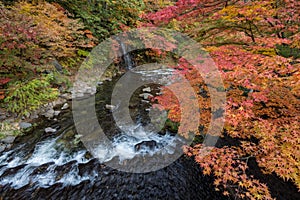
<point>245,39</point>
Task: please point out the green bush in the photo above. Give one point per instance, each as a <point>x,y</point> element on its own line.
<point>104,17</point>
<point>287,52</point>
<point>171,126</point>
<point>29,96</point>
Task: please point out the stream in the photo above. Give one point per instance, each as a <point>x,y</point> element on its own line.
<point>57,166</point>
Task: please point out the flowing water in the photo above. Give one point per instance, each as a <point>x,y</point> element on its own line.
<point>56,166</point>
<point>124,51</point>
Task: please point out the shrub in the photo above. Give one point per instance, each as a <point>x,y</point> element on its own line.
<point>29,96</point>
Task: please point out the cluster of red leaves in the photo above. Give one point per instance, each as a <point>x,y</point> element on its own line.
<point>178,110</point>
<point>18,38</point>
<point>262,86</point>
<point>279,147</point>
<point>229,170</point>
<point>17,32</point>
<point>3,81</point>
<point>183,9</point>
<point>262,104</point>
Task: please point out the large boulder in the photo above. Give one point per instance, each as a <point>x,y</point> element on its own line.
<point>151,144</point>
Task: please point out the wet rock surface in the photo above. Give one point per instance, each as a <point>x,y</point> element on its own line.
<point>8,140</point>
<point>24,125</point>
<point>145,144</point>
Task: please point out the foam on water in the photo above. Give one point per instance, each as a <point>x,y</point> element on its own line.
<point>18,169</point>
<point>123,145</point>
<point>160,76</point>
<point>44,152</point>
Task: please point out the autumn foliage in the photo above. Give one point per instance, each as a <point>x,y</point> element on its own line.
<point>31,33</point>
<point>31,36</point>
<point>252,43</point>
<point>255,45</point>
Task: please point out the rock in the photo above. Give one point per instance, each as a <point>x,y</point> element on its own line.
<point>34,115</point>
<point>15,126</point>
<point>8,140</point>
<point>49,113</point>
<point>110,107</point>
<point>42,168</point>
<point>99,83</point>
<point>56,113</point>
<point>151,144</point>
<point>11,120</point>
<point>58,102</point>
<point>56,127</point>
<point>146,95</point>
<point>57,66</point>
<point>147,89</point>
<point>66,96</point>
<point>2,114</point>
<point>50,130</point>
<point>65,106</point>
<point>24,125</point>
<point>88,88</point>
<point>69,135</point>
<point>2,147</point>
<point>77,95</point>
<point>145,101</point>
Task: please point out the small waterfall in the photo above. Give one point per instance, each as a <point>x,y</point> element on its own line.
<point>127,59</point>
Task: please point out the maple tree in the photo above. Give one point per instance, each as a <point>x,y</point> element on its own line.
<point>31,34</point>
<point>255,45</point>
<point>248,41</point>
